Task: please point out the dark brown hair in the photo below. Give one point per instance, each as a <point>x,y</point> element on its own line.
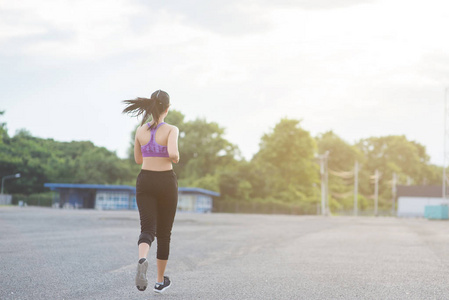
<point>153,106</point>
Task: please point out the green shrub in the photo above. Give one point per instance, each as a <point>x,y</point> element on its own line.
<point>38,199</point>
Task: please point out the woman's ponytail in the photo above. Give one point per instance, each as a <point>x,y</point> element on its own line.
<point>139,106</point>
<point>154,106</point>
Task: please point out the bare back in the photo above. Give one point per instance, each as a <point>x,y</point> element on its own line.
<point>166,135</point>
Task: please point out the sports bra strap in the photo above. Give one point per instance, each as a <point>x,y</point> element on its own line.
<point>158,125</point>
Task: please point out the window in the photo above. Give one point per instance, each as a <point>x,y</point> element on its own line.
<point>112,200</point>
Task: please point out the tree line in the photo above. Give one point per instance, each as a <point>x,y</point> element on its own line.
<point>284,174</point>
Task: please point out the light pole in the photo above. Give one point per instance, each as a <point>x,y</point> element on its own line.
<point>376,192</point>
<point>446,133</point>
<point>356,187</point>
<point>393,193</point>
<point>324,183</point>
<point>7,177</point>
<point>323,186</point>
<point>326,158</point>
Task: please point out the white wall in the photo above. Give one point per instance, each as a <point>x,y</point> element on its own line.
<point>194,203</point>
<point>186,202</point>
<point>5,199</point>
<point>414,206</point>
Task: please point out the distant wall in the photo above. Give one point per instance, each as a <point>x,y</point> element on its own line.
<point>414,206</point>
<point>194,202</point>
<point>5,199</point>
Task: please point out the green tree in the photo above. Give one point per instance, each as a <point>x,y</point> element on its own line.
<point>101,166</point>
<point>204,150</point>
<point>285,163</point>
<point>432,175</point>
<point>392,154</point>
<point>45,160</point>
<point>26,155</point>
<point>3,132</point>
<point>234,182</point>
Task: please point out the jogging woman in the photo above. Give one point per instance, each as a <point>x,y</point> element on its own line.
<point>155,148</point>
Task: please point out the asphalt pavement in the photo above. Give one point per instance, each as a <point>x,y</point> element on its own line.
<point>48,253</point>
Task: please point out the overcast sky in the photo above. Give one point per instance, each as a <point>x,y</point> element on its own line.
<point>359,68</point>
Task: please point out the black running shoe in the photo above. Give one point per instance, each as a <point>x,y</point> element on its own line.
<point>141,276</point>
<point>160,288</point>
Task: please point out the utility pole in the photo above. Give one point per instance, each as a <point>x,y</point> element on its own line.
<point>323,190</point>
<point>446,133</point>
<point>356,187</point>
<point>393,193</point>
<point>324,184</point>
<point>376,191</point>
<point>327,184</point>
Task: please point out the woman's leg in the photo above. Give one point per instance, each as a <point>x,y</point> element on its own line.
<point>161,265</point>
<point>146,202</point>
<point>147,205</point>
<point>166,210</point>
<point>143,250</point>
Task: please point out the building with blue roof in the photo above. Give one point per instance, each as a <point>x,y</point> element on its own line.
<point>195,199</point>
<point>113,197</point>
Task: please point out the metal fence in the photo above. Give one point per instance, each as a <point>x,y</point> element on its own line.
<point>365,213</point>
<point>263,208</point>
<point>228,206</point>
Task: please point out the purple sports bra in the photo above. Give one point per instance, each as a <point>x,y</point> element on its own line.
<point>153,149</point>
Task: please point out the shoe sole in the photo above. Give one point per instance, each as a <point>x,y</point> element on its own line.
<point>161,291</point>
<point>141,281</point>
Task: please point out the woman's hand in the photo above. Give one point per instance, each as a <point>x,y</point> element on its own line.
<point>175,159</point>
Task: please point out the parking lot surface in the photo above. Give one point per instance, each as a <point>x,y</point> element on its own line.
<point>50,253</point>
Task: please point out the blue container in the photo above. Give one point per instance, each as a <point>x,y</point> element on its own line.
<point>436,212</point>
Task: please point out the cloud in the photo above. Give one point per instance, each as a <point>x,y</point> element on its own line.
<point>332,63</point>
<point>318,4</point>
<point>82,29</point>
<point>93,30</point>
<point>435,67</point>
<point>222,17</point>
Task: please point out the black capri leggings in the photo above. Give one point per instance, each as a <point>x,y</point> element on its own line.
<point>157,199</point>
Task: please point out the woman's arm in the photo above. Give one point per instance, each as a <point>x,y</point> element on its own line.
<point>137,151</point>
<point>172,145</point>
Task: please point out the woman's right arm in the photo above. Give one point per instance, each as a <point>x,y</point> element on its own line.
<point>172,145</point>
<point>137,151</point>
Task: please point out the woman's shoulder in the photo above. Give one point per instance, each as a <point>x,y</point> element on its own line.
<point>143,127</point>
<point>171,127</point>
